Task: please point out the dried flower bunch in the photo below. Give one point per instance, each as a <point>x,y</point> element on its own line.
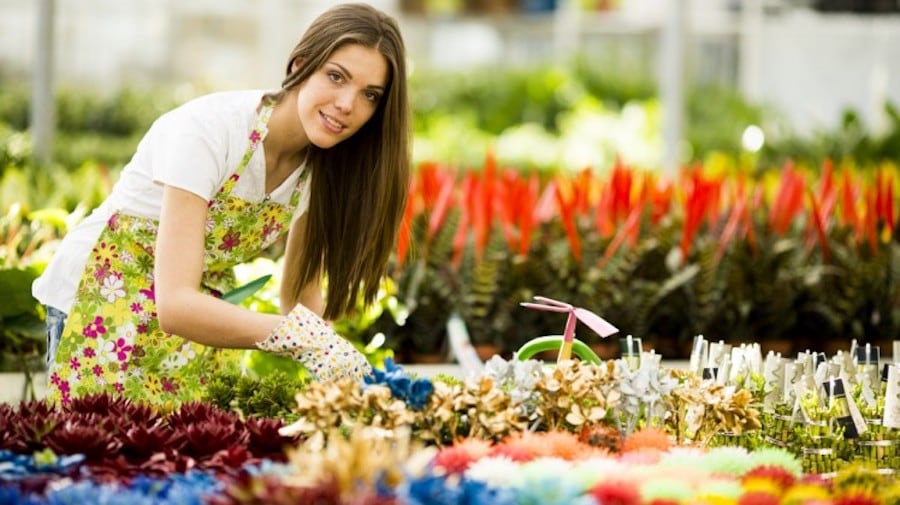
<point>704,408</point>
<point>515,396</point>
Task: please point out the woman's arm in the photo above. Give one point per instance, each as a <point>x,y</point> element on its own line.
<point>311,294</point>
<point>182,308</point>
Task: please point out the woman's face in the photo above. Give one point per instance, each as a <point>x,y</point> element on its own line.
<point>338,98</point>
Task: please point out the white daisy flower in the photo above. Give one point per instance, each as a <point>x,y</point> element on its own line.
<point>113,287</point>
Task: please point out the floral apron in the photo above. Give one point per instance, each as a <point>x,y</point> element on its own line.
<point>112,341</point>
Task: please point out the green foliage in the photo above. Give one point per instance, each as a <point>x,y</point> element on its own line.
<point>22,329</point>
<point>270,396</point>
<point>853,139</point>
<point>15,102</point>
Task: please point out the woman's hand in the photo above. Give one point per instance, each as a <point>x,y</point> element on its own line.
<point>309,339</point>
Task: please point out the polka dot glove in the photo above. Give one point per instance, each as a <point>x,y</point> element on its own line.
<point>307,338</point>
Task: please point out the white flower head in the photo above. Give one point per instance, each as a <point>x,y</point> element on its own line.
<point>495,471</point>
<point>113,287</point>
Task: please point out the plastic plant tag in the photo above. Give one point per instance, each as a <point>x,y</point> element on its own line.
<point>717,352</point>
<point>892,398</point>
<point>867,358</point>
<point>792,374</point>
<point>631,351</point>
<point>699,351</point>
<point>738,364</point>
<point>724,370</point>
<point>846,412</point>
<point>461,346</point>
<point>651,360</point>
<point>773,372</point>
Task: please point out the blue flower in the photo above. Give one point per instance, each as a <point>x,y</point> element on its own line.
<point>13,465</point>
<point>194,488</point>
<point>432,490</point>
<point>419,393</point>
<point>10,495</point>
<point>415,392</point>
<point>399,386</point>
<point>479,493</point>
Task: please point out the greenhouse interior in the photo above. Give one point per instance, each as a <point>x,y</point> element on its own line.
<point>589,252</point>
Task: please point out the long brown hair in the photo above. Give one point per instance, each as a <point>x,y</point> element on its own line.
<point>358,187</point>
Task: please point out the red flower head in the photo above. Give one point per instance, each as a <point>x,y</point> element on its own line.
<point>616,493</point>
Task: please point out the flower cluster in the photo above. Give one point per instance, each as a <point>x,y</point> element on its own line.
<point>119,439</point>
<point>514,396</point>
<point>413,391</point>
<point>372,465</point>
<point>191,488</point>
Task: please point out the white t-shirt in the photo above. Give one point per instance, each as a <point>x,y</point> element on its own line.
<point>195,147</point>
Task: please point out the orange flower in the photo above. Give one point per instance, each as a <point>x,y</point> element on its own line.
<point>647,438</point>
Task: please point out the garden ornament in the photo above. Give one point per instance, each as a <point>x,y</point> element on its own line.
<point>566,343</point>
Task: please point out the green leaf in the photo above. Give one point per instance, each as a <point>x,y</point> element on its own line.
<point>241,293</point>
<point>53,216</point>
<point>15,291</point>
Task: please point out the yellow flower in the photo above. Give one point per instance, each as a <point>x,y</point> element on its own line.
<point>75,322</point>
<point>761,485</point>
<point>119,311</point>
<point>106,252</point>
<point>152,386</point>
<point>805,493</point>
<point>64,373</point>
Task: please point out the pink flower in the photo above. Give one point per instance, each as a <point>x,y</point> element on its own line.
<point>119,388</point>
<point>89,352</point>
<point>98,370</point>
<point>136,308</point>
<point>149,293</point>
<point>74,363</point>
<point>95,328</point>
<point>168,385</point>
<point>54,379</point>
<point>255,136</point>
<point>121,349</point>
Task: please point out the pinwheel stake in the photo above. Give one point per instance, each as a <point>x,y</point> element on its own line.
<point>566,343</point>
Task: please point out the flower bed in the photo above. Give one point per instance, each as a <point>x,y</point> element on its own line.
<point>519,432</point>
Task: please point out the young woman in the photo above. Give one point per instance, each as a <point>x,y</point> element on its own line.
<point>132,294</point>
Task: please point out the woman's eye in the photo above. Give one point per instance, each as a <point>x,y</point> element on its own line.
<point>335,77</point>
<point>372,96</point>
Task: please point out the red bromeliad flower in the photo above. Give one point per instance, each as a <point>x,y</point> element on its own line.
<point>567,202</point>
<point>701,200</point>
<point>788,201</point>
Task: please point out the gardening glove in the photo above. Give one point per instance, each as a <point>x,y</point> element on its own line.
<point>304,336</point>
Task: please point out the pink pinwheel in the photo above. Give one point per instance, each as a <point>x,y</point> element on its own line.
<point>596,323</point>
